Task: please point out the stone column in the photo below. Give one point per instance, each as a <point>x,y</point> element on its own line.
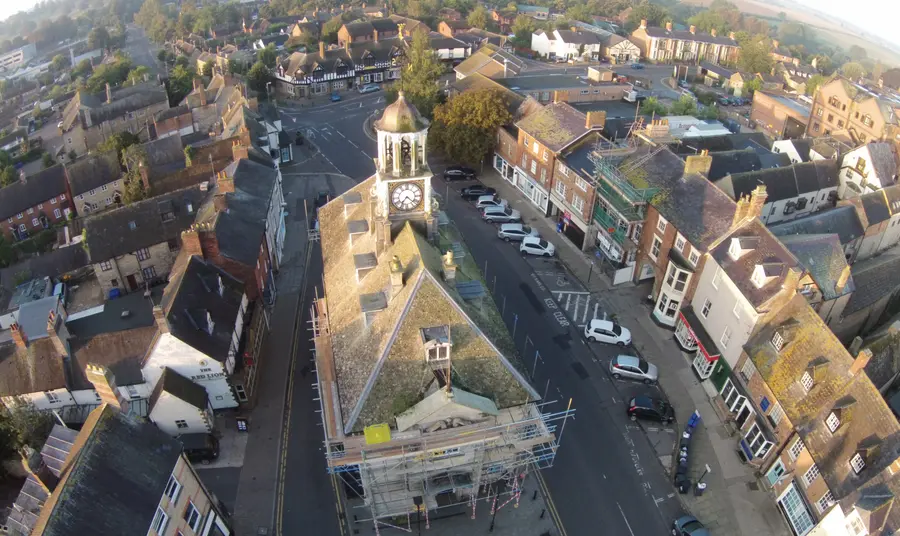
<point>398,158</point>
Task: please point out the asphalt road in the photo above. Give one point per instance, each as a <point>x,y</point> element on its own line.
<point>606,479</point>
<point>141,50</point>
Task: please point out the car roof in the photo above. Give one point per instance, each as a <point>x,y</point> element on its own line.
<point>511,226</point>
<point>628,360</point>
<point>600,323</point>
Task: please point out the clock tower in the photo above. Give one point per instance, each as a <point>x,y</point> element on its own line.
<point>402,189</point>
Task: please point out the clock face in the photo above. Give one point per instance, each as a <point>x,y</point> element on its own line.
<point>406,196</point>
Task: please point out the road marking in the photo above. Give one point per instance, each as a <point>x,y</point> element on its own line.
<point>551,506</point>
<point>353,144</point>
<point>341,134</point>
<point>627,524</point>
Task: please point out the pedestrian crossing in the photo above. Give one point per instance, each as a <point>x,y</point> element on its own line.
<point>580,307</point>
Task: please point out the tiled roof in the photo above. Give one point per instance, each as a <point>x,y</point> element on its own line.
<point>129,99</point>
<point>823,257</point>
<point>873,278</point>
<point>684,35</point>
<point>378,365</point>
<point>865,419</point>
<point>491,58</point>
<point>301,64</point>
<point>555,126</point>
<point>783,182</point>
<point>180,387</point>
<point>38,188</point>
<point>141,225</point>
<point>34,369</point>
<point>884,161</point>
<point>843,221</point>
<point>728,142</point>
<point>113,478</point>
<point>93,171</point>
<point>120,351</point>
<point>767,250</point>
<point>578,38</point>
<point>701,212</point>
<point>478,81</point>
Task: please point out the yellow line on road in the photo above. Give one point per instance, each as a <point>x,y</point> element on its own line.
<point>551,506</point>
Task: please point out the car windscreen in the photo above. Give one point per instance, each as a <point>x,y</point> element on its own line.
<point>691,526</point>
<point>644,366</point>
<point>617,329</point>
<point>507,211</point>
<point>543,244</point>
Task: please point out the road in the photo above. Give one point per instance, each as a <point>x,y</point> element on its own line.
<point>141,50</point>
<point>606,479</point>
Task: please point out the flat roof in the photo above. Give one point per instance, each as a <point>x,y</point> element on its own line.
<point>616,108</point>
<point>794,104</point>
<point>548,81</point>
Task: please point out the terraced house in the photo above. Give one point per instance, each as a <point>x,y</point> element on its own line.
<point>34,203</point>
<point>667,44</point>
<point>306,74</point>
<point>841,105</point>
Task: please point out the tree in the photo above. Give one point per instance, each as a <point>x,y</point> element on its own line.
<point>47,160</point>
<point>813,84</point>
<point>708,112</point>
<point>182,60</point>
<point>523,26</point>
<point>268,56</point>
<point>56,92</point>
<point>652,106</point>
<point>8,175</point>
<point>136,75</point>
<point>235,67</point>
<point>465,127</point>
<point>258,76</point>
<point>685,105</point>
<point>853,70</point>
<point>118,142</point>
<point>877,71</point>
<point>83,68</point>
<point>181,82</point>
<point>419,75</point>
<point>654,14</point>
<point>330,29</point>
<point>706,21</point>
<point>163,55</point>
<point>755,56</point>
<point>23,426</point>
<point>98,38</point>
<point>59,62</point>
<point>857,53</point>
<point>208,67</point>
<point>478,18</point>
<point>751,86</point>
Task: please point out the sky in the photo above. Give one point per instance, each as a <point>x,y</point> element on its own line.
<point>878,16</point>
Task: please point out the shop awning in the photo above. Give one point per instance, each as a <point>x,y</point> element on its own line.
<point>704,341</point>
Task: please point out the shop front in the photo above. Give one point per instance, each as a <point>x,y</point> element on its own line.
<point>568,224</point>
<point>504,168</point>
<point>532,190</point>
<point>691,336</point>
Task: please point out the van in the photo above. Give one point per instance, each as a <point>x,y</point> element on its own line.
<point>200,448</point>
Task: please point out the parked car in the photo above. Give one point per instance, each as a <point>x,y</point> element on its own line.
<point>476,191</point>
<point>459,173</point>
<point>650,408</point>
<point>688,526</point>
<point>607,331</point>
<point>637,65</point>
<point>635,368</point>
<point>502,214</point>
<point>514,232</point>
<point>200,448</point>
<point>369,88</point>
<point>335,97</point>
<point>682,83</point>
<point>535,245</point>
<point>736,101</point>
<point>724,101</point>
<point>490,200</point>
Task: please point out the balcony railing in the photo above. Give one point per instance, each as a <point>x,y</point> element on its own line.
<point>607,222</point>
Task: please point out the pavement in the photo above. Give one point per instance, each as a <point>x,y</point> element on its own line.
<point>735,501</point>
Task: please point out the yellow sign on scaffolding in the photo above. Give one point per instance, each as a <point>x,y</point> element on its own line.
<point>377,433</point>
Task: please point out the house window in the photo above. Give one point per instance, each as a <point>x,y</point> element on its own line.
<point>707,305</point>
<point>438,353</point>
<point>679,242</point>
<point>109,200</point>
<point>105,266</point>
<point>695,256</point>
<point>736,310</point>
<point>142,254</point>
<point>811,474</point>
<point>525,141</point>
<point>20,216</point>
<point>831,118</point>
<point>192,516</point>
<point>581,184</point>
<point>181,424</point>
<point>860,166</point>
<point>748,370</point>
<point>578,203</point>
<point>160,519</point>
<point>524,161</point>
<point>173,487</point>
<point>867,120</point>
<point>726,337</point>
<point>826,501</point>
<point>534,167</point>
<point>545,155</point>
<point>104,188</point>
<point>51,397</point>
<point>661,224</point>
<point>21,227</point>
<point>31,211</point>
<point>148,273</point>
<point>654,249</point>
<point>543,175</point>
<point>560,188</point>
<point>857,463</point>
<point>776,414</point>
<point>536,149</point>
<point>53,201</point>
<point>56,213</point>
<point>849,173</point>
<point>796,449</point>
<point>806,381</point>
<point>35,222</point>
<point>92,191</point>
<point>819,112</point>
<point>757,442</point>
<point>717,278</point>
<point>833,422</point>
<point>777,341</point>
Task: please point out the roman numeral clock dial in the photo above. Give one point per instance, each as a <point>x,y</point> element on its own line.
<point>406,197</point>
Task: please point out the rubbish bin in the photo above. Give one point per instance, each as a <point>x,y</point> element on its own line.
<point>699,488</point>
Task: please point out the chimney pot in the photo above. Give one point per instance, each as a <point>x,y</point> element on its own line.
<point>713,32</point>
<point>855,345</point>
<point>104,382</point>
<point>643,24</point>
<point>693,29</point>
<point>843,279</point>
<point>18,335</point>
<point>668,26</point>
<point>321,49</point>
<point>860,361</point>
<point>396,276</point>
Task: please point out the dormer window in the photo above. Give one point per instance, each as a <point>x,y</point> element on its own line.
<point>210,325</point>
<point>858,463</point>
<point>440,352</point>
<point>437,343</point>
<point>840,414</point>
<point>757,278</point>
<point>734,250</point>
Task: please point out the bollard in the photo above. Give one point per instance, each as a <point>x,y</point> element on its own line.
<point>534,497</point>
<point>542,512</point>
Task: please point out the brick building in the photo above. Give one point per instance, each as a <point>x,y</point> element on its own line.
<point>35,203</point>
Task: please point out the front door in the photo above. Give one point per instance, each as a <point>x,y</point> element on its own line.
<point>132,282</point>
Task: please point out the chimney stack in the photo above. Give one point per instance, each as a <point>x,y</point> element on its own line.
<point>693,29</point>
<point>374,34</point>
<point>321,49</point>
<point>713,32</point>
<point>775,44</point>
<point>757,199</point>
<point>449,268</point>
<point>698,163</point>
<point>842,280</point>
<point>18,336</point>
<point>668,26</point>
<point>108,93</point>
<point>731,35</point>
<point>224,183</point>
<point>59,334</point>
<point>105,383</point>
<point>239,151</point>
<point>643,24</point>
<point>197,84</point>
<point>190,241</point>
<point>595,120</point>
<point>396,276</point>
<point>860,361</point>
<point>158,314</point>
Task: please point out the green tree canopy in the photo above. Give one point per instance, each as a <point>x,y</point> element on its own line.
<point>706,21</point>
<point>268,56</point>
<point>118,142</point>
<point>465,127</point>
<point>208,67</point>
<point>478,18</point>
<point>755,56</point>
<point>752,86</point>
<point>258,76</point>
<point>853,70</point>
<point>420,73</point>
<point>652,106</point>
<point>685,105</point>
<point>23,426</point>
<point>523,26</point>
<point>813,83</point>
<point>136,75</point>
<point>655,15</point>
<point>59,62</point>
<point>98,38</point>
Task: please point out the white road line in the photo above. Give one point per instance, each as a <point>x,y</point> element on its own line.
<point>341,134</point>
<point>559,298</point>
<point>586,304</point>
<point>353,144</point>
<point>575,314</point>
<point>595,309</point>
<point>627,524</point>
<point>568,298</point>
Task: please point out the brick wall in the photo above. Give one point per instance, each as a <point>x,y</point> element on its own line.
<point>115,273</point>
<point>53,209</point>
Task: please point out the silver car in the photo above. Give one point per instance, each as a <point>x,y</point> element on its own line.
<point>628,366</point>
<point>514,232</point>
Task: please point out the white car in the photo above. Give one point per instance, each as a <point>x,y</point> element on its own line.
<point>502,214</point>
<point>485,201</point>
<point>514,232</point>
<point>536,245</point>
<point>607,331</point>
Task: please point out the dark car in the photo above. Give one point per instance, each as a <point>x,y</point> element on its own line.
<point>688,526</point>
<point>335,97</point>
<point>724,101</point>
<point>458,173</point>
<point>637,66</point>
<point>200,448</point>
<point>651,409</point>
<point>476,191</point>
